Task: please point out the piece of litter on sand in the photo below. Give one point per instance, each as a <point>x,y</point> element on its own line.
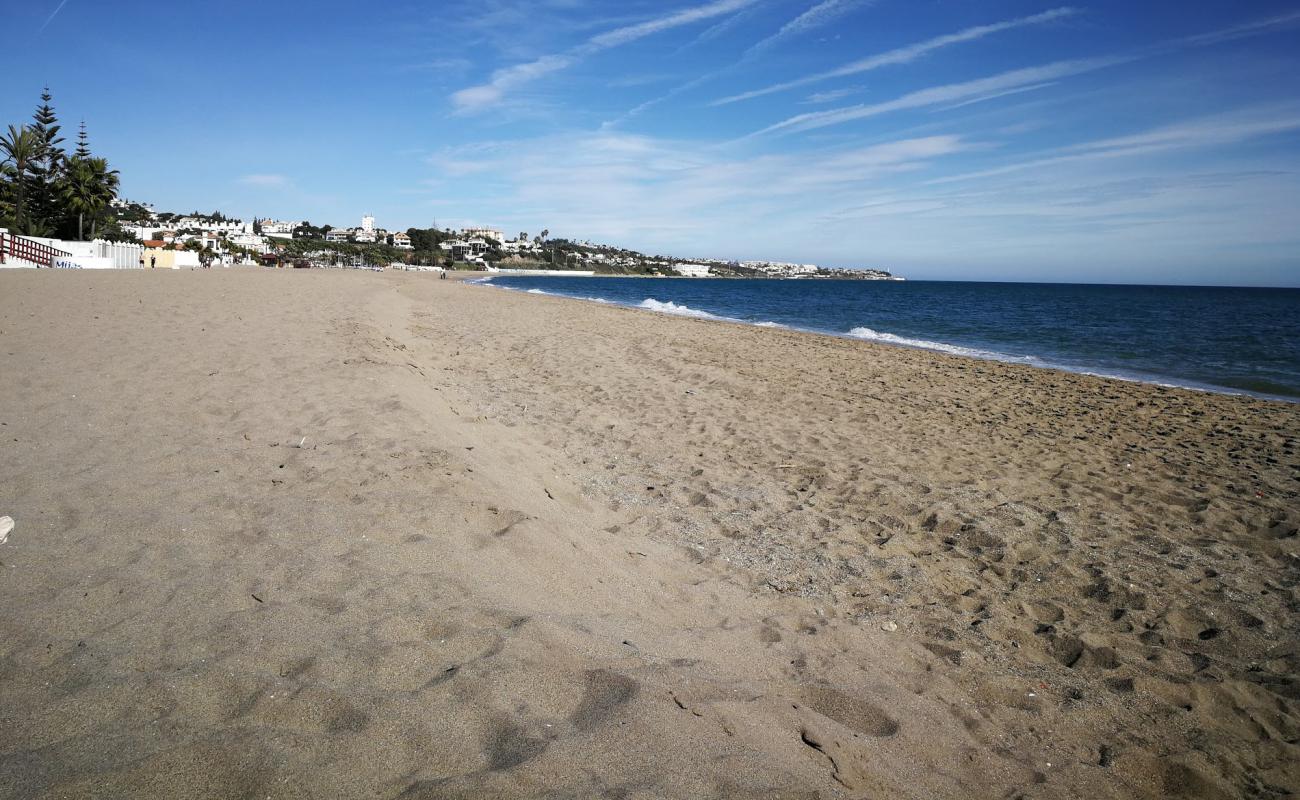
<point>889,625</point>
<point>6,526</point>
<point>301,443</point>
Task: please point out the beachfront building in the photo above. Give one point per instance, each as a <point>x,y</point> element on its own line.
<point>338,235</point>
<point>692,270</point>
<point>483,233</point>
<point>155,256</point>
<point>781,268</point>
<point>524,245</point>
<point>465,249</point>
<point>402,241</point>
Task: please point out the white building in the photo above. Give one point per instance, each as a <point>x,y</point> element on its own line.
<point>781,268</point>
<point>520,246</point>
<point>209,225</point>
<point>483,233</point>
<point>692,270</point>
<point>250,241</point>
<point>338,235</point>
<point>278,229</point>
<point>402,241</point>
<point>368,224</point>
<point>465,249</point>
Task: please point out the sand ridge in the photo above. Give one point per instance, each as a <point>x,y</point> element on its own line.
<point>338,534</point>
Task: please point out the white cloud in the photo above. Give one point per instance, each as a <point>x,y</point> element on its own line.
<point>265,181</point>
<point>904,55</point>
<point>1244,30</point>
<point>818,14</point>
<point>831,96</point>
<point>503,80</point>
<point>982,88</point>
<point>1033,87</point>
<point>1005,83</point>
<point>815,16</point>
<point>1205,132</point>
<point>878,205</point>
<point>631,33</point>
<point>653,192</point>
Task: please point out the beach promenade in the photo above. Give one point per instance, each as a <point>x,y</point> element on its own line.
<point>342,534</point>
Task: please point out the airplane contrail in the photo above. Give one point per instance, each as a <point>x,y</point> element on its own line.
<point>53,15</point>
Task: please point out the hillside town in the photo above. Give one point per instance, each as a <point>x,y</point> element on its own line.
<point>217,239</point>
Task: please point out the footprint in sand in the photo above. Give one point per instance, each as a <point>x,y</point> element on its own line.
<point>841,727</point>
<point>604,694</point>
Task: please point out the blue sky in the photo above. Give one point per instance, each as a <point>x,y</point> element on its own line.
<point>1145,141</point>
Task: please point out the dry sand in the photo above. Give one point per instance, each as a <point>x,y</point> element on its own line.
<point>339,534</point>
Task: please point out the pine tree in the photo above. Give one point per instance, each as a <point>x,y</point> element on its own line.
<point>83,143</point>
<point>47,169</point>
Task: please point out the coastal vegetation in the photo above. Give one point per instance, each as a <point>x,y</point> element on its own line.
<point>46,191</point>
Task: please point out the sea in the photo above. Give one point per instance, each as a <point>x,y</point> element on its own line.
<point>1233,340</point>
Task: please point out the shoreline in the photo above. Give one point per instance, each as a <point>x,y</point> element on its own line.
<point>351,534</point>
<point>958,351</point>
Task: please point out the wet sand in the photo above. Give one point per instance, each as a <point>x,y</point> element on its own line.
<point>341,534</point>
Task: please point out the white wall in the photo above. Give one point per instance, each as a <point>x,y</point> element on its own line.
<point>98,254</point>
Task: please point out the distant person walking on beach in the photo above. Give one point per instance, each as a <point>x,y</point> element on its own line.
<point>153,262</point>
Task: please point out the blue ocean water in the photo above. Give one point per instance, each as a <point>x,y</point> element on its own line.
<point>1219,339</point>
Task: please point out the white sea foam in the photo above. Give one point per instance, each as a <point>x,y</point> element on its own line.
<point>535,291</point>
<point>669,307</point>
<point>770,325</point>
<point>943,347</point>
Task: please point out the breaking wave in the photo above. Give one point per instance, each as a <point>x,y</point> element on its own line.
<point>670,307</point>
<point>925,344</point>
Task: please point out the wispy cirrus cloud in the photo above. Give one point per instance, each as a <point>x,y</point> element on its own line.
<point>1216,130</point>
<point>265,181</point>
<point>505,80</point>
<point>1244,30</point>
<point>978,89</point>
<point>1014,81</point>
<point>814,17</point>
<point>816,98</point>
<point>904,55</point>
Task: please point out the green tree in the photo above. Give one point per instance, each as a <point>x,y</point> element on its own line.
<point>83,143</point>
<point>88,188</point>
<point>21,147</point>
<point>47,168</point>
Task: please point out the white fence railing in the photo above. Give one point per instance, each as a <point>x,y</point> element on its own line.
<point>99,254</point>
<point>123,255</point>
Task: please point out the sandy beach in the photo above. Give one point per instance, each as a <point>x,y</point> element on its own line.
<point>310,534</point>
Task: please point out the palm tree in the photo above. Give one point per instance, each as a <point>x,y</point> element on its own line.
<point>88,187</point>
<point>21,148</point>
